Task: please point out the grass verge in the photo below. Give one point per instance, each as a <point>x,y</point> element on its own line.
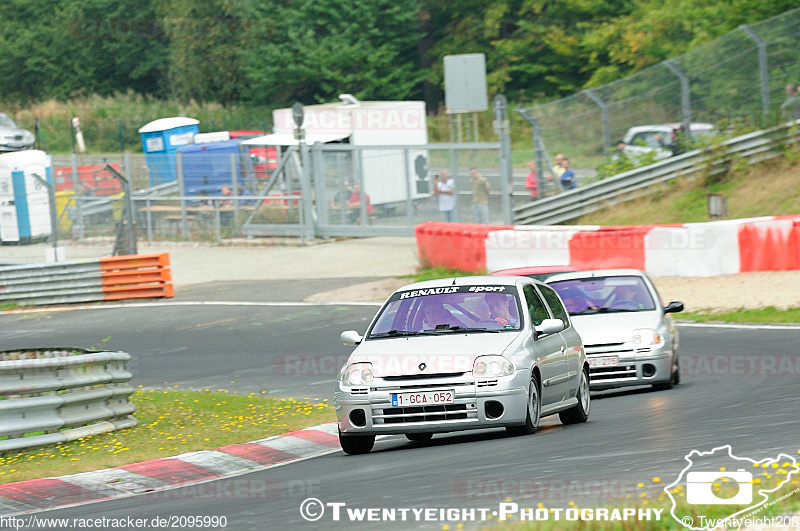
<point>434,273</point>
<point>770,314</point>
<point>171,422</point>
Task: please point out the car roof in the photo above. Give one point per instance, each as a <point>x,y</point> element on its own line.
<point>463,281</point>
<point>534,270</point>
<point>667,127</point>
<point>596,273</point>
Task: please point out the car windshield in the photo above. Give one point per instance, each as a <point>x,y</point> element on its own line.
<point>5,121</point>
<point>604,295</point>
<point>443,310</point>
<point>651,139</point>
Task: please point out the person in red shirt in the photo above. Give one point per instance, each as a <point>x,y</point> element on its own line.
<point>354,204</point>
<point>531,183</point>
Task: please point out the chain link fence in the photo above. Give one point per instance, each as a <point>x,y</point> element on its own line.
<point>736,82</point>
<point>353,191</point>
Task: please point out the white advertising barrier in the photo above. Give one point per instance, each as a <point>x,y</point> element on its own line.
<point>531,246</point>
<point>691,250</point>
<point>694,250</point>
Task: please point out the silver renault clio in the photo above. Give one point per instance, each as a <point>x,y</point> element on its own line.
<point>461,354</point>
<point>628,332</point>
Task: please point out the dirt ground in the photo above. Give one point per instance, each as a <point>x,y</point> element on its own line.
<point>728,292</point>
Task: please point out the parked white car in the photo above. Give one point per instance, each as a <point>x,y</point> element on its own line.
<point>461,354</point>
<point>643,139</point>
<point>13,137</point>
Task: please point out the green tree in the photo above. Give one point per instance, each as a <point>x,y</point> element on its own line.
<point>318,49</point>
<point>208,40</point>
<point>63,48</point>
<point>655,30</point>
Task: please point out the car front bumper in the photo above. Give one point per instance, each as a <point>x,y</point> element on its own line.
<point>633,370</point>
<point>482,403</point>
<point>6,146</point>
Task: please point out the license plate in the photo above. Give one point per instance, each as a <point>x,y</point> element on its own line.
<point>428,398</point>
<point>606,361</point>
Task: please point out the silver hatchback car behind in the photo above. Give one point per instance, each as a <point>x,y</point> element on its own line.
<point>628,333</point>
<point>460,354</point>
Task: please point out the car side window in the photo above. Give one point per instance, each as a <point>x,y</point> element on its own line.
<point>536,307</point>
<point>555,304</point>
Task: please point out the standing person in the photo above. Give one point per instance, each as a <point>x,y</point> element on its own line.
<point>480,197</point>
<point>531,183</point>
<point>445,187</point>
<point>567,178</point>
<point>557,171</point>
<point>619,153</point>
<point>677,144</point>
<point>790,107</point>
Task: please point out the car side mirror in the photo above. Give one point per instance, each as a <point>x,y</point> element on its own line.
<point>549,326</point>
<point>673,307</point>
<point>350,338</point>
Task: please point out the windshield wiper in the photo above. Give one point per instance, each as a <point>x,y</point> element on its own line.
<point>470,329</point>
<point>397,333</point>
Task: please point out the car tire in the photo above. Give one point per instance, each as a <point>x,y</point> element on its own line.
<point>416,437</point>
<point>356,444</point>
<point>674,379</point>
<point>534,410</point>
<point>579,413</point>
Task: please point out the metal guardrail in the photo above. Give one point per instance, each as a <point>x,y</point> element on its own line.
<point>50,396</point>
<point>110,278</point>
<point>568,205</point>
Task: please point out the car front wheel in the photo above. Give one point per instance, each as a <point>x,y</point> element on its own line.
<point>579,413</point>
<point>356,444</point>
<point>674,379</point>
<point>534,410</point>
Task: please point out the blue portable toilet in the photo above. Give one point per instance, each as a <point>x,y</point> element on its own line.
<point>24,200</point>
<point>206,167</point>
<point>161,140</point>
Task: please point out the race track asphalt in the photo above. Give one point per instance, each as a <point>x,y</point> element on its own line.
<point>632,436</point>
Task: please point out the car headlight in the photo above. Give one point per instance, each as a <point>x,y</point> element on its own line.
<point>491,366</point>
<point>645,337</point>
<point>357,374</point>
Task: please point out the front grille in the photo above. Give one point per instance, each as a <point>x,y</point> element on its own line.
<point>609,349</point>
<point>603,345</point>
<point>359,391</point>
<point>415,386</point>
<point>486,383</point>
<point>421,376</point>
<point>600,374</point>
<point>405,415</point>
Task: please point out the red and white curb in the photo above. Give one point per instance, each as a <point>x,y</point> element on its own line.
<point>167,473</point>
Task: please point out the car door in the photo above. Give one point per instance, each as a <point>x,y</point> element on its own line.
<point>549,349</point>
<point>571,339</point>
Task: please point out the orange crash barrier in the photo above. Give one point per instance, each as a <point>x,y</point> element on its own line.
<point>138,276</point>
<point>459,246</point>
